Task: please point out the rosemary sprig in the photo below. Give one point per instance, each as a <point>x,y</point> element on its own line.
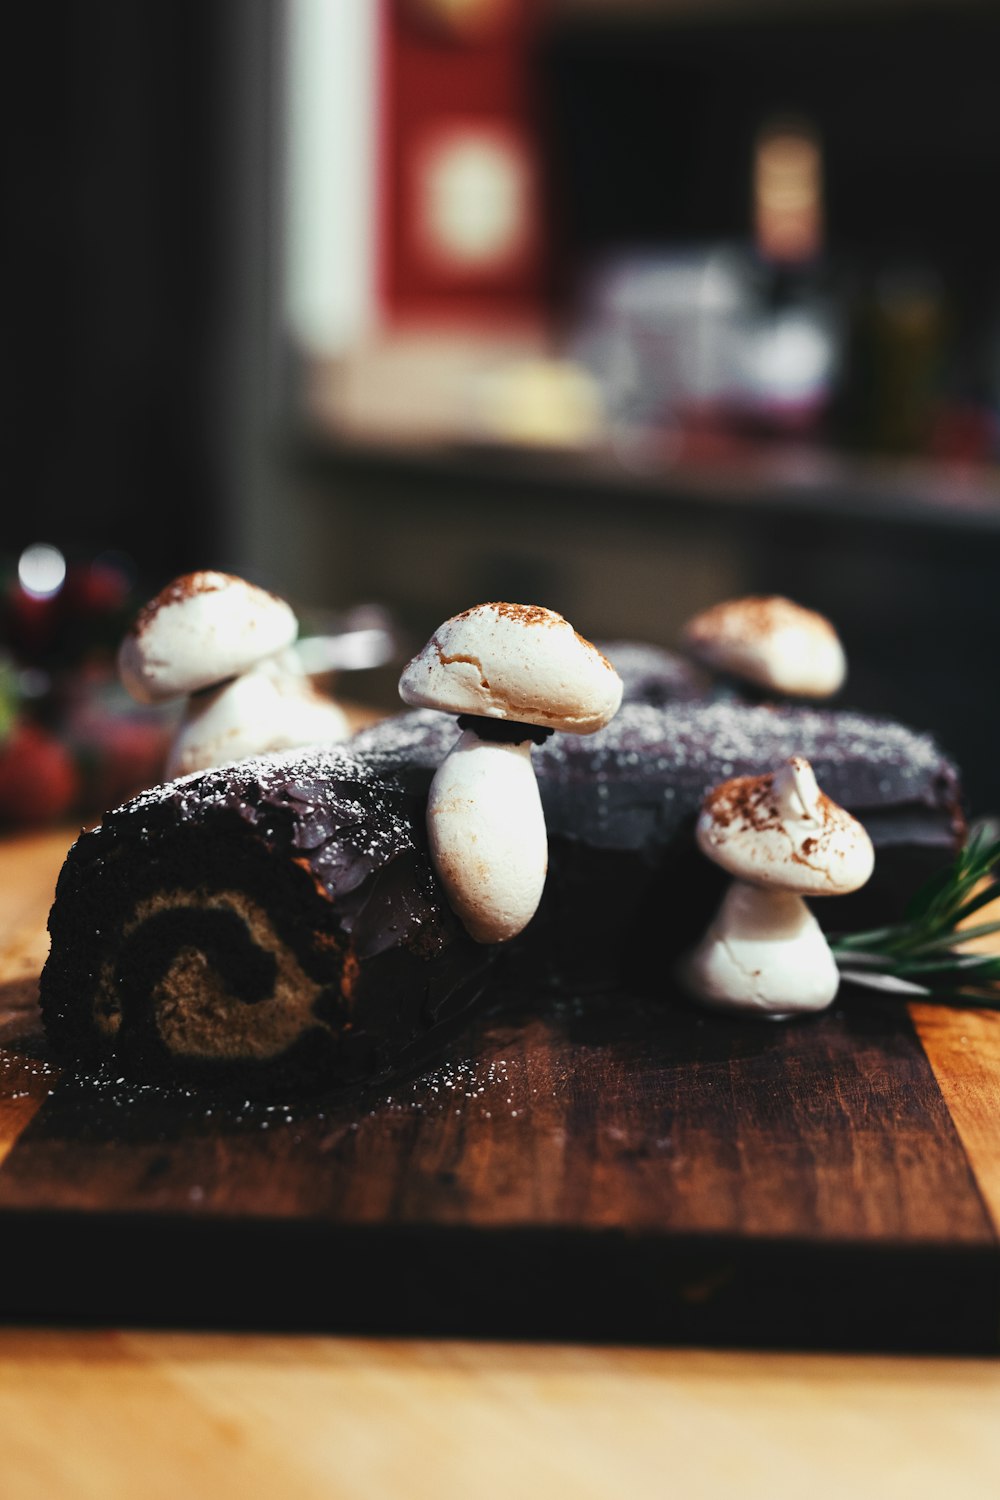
<point>923,955</point>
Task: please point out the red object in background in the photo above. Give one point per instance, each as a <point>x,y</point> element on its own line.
<point>964,434</point>
<point>94,588</point>
<point>461,236</point>
<point>39,781</point>
<point>119,746</point>
<point>29,626</point>
<point>87,612</point>
<point>71,740</point>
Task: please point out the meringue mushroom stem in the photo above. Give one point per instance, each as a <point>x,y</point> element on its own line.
<point>763,952</point>
<point>487,835</point>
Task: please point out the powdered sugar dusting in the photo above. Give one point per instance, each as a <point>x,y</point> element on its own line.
<point>422,736</point>
<point>652,766</point>
<point>344,813</point>
<point>688,735</point>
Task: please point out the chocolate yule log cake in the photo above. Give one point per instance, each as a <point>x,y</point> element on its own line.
<point>326,916</point>
<point>280,919</point>
<point>277,918</point>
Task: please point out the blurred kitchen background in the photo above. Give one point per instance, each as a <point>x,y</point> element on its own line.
<point>619,306</point>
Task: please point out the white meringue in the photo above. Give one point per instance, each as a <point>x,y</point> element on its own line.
<point>260,711</point>
<point>514,661</point>
<point>484,815</point>
<point>771,642</point>
<point>201,630</point>
<point>487,836</point>
<point>783,838</point>
<point>781,830</point>
<point>764,951</point>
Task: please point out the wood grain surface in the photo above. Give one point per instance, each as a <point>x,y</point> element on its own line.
<point>123,1410</point>
<point>118,1414</point>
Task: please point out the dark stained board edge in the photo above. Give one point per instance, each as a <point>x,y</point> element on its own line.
<point>600,1287</point>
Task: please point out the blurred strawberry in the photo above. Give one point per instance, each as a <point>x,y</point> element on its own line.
<point>39,782</point>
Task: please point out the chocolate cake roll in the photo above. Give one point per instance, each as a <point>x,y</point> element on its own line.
<point>627,889</point>
<point>276,919</point>
<point>279,919</point>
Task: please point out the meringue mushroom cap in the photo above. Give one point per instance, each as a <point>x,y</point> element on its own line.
<point>514,661</point>
<point>486,832</point>
<point>771,642</point>
<point>744,828</point>
<point>199,631</point>
<point>764,952</point>
<point>254,714</point>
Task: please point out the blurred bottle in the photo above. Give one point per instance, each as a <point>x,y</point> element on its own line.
<point>705,351</point>
<point>794,342</point>
<point>898,335</point>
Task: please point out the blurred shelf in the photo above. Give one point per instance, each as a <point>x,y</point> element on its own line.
<point>666,11</point>
<point>790,484</point>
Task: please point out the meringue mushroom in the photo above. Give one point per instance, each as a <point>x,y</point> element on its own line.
<point>782,839</point>
<point>200,630</point>
<point>513,673</point>
<point>771,643</point>
<point>225,645</point>
<point>260,711</point>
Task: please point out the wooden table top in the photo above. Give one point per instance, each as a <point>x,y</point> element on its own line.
<point>124,1411</point>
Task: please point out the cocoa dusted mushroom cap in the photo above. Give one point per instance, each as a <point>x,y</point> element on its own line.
<point>513,673</point>
<point>514,661</point>
<point>199,631</point>
<point>770,642</point>
<point>780,830</point>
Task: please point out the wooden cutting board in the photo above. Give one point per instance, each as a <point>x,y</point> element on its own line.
<point>607,1169</point>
